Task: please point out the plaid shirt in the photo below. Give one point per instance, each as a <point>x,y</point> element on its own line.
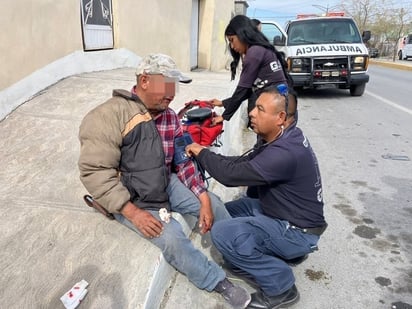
<point>168,126</point>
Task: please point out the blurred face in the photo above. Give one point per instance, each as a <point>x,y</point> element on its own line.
<point>236,44</point>
<point>268,116</point>
<point>159,91</point>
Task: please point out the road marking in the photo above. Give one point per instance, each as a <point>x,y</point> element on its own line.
<point>400,107</point>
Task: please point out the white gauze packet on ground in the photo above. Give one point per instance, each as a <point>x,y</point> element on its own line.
<point>72,298</point>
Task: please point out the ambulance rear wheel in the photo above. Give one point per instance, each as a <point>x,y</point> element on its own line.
<point>357,90</point>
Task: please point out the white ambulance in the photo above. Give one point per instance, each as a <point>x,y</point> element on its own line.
<point>327,50</point>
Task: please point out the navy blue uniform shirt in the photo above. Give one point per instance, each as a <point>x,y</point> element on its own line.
<point>285,172</point>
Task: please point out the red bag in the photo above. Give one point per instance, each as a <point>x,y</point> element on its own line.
<point>198,122</point>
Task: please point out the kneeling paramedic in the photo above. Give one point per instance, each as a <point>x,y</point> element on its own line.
<point>281,218</point>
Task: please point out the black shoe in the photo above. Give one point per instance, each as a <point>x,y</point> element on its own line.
<point>297,261</point>
<point>261,301</point>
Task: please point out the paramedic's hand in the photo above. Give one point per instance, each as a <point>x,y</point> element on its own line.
<point>216,120</point>
<point>216,102</point>
<point>143,220</point>
<point>206,213</point>
<point>193,149</point>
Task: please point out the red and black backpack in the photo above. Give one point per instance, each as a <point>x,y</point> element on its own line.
<point>198,122</point>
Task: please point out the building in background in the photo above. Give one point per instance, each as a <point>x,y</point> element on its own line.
<point>55,34</point>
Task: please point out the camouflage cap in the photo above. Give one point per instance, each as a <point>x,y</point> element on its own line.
<point>161,64</point>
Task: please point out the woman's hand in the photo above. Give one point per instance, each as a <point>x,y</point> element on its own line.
<point>216,102</point>
<point>216,120</point>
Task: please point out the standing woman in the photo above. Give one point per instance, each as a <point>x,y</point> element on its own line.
<point>262,65</point>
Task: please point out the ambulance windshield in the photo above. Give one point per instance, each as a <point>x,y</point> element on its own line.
<point>323,31</point>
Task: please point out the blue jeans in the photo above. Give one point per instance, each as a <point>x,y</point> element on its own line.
<point>258,244</point>
<point>176,247</point>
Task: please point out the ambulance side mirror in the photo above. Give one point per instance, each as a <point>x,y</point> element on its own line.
<point>279,40</point>
<point>366,36</point>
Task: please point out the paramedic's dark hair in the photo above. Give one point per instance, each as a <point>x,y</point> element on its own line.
<point>247,32</point>
<point>255,22</point>
<point>291,102</point>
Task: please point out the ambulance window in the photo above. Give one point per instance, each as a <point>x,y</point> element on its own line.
<point>273,33</point>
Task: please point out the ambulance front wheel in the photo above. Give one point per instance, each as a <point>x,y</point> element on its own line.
<point>357,90</point>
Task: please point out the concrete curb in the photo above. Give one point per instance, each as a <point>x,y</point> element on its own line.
<point>391,64</point>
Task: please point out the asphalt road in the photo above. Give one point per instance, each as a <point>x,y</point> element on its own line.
<point>364,147</point>
<point>390,86</point>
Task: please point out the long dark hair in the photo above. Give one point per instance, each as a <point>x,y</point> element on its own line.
<point>246,31</point>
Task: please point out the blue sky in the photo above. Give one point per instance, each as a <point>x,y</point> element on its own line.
<point>282,11</point>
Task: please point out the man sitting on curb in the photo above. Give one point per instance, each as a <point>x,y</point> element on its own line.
<point>126,154</point>
<point>284,219</point>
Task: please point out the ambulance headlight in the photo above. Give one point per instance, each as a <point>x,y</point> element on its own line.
<point>299,65</point>
<point>359,63</point>
<point>297,62</point>
<point>359,60</point>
